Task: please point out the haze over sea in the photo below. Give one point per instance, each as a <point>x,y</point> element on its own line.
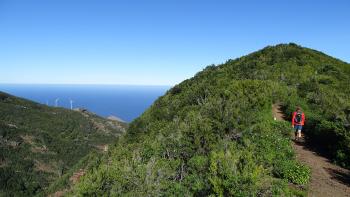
<point>126,102</point>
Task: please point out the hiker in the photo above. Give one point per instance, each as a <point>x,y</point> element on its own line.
<point>298,121</point>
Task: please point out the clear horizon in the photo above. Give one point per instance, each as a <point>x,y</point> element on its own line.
<point>155,42</point>
<point>124,101</point>
<point>84,84</point>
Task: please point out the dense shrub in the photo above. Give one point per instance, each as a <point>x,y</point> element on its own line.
<point>293,171</point>
<point>214,140</point>
<point>39,144</point>
<point>213,135</point>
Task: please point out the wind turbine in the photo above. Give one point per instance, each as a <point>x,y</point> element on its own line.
<point>56,102</point>
<point>71,104</point>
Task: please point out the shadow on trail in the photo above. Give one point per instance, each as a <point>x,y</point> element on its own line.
<point>339,176</point>
<point>315,147</point>
<point>280,109</point>
<point>336,174</point>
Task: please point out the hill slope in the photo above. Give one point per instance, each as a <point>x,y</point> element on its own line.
<point>213,134</point>
<point>38,144</point>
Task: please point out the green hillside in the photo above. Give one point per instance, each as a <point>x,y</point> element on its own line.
<point>213,134</point>
<point>40,144</point>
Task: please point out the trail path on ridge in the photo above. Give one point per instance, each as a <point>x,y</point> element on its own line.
<point>327,179</point>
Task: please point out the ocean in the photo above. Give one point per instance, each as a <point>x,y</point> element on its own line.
<point>126,102</point>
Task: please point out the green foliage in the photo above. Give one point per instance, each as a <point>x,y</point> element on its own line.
<point>293,171</point>
<point>39,144</point>
<point>198,141</point>
<point>212,135</point>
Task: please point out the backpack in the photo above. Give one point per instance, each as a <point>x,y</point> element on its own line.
<point>298,117</point>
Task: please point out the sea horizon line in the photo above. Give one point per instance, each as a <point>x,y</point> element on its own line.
<point>89,84</point>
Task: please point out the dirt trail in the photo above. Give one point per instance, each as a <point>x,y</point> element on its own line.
<point>327,179</point>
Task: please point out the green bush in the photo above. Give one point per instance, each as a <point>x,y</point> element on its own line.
<point>213,134</point>
<point>293,171</point>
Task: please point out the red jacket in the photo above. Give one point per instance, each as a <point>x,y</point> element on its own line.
<point>302,119</point>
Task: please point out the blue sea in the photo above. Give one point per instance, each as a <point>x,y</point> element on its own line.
<point>126,102</point>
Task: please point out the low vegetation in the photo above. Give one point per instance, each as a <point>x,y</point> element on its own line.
<point>213,134</point>
<point>40,144</point>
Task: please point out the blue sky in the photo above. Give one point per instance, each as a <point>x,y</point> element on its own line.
<point>155,42</point>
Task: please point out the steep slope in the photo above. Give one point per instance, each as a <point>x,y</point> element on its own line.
<point>39,144</point>
<point>213,134</point>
